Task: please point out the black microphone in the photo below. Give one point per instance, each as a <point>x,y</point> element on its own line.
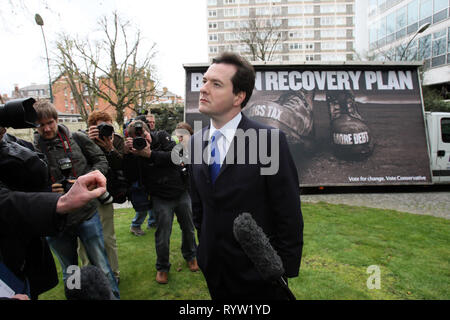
<point>257,247</point>
<point>93,286</point>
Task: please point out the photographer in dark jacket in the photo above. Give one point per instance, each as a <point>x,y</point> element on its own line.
<point>148,159</point>
<point>70,155</point>
<point>23,250</point>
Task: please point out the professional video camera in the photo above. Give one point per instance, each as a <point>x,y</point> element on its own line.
<point>139,141</point>
<point>105,130</point>
<point>18,114</point>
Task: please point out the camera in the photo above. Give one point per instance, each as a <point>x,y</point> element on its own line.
<point>139,142</point>
<point>18,114</point>
<point>105,130</point>
<point>65,165</point>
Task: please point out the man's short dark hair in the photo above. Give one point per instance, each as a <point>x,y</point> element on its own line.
<point>244,78</point>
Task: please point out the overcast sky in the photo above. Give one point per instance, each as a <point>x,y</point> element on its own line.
<point>178,27</point>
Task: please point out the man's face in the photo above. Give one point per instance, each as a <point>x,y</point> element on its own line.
<point>151,122</point>
<point>48,128</point>
<point>216,94</point>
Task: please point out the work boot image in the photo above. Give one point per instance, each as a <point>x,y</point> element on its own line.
<point>350,134</point>
<point>292,113</point>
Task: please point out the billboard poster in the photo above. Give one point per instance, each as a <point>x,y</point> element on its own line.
<point>346,124</point>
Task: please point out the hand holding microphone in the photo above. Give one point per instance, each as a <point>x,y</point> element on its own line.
<point>257,247</point>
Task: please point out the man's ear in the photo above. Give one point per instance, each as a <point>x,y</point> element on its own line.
<point>239,98</point>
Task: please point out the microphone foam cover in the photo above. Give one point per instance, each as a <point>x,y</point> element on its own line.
<point>256,245</point>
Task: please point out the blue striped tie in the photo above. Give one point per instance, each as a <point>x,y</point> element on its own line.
<point>214,167</point>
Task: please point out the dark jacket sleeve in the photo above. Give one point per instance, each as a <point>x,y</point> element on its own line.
<point>285,203</point>
<point>19,213</point>
<point>162,155</point>
<point>94,155</point>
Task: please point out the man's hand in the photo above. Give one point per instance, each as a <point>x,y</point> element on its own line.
<point>85,189</point>
<point>20,297</point>
<point>105,142</point>
<point>146,152</point>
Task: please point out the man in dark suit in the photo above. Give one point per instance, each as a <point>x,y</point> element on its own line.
<point>230,174</point>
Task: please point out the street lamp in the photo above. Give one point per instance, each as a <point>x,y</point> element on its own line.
<point>421,29</point>
<point>40,22</point>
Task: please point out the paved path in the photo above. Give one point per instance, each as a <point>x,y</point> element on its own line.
<point>427,203</point>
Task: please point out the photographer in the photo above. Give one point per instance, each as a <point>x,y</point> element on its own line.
<point>101,131</point>
<point>148,159</point>
<point>23,250</point>
<point>70,155</point>
<point>139,196</point>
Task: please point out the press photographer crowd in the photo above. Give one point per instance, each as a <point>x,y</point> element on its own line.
<point>57,196</point>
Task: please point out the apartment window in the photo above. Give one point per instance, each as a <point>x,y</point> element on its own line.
<point>308,9</point>
<point>295,34</point>
<point>439,43</point>
<point>309,46</point>
<point>245,12</point>
<point>401,18</point>
<point>212,25</point>
<point>294,10</point>
<point>426,9</point>
<point>295,22</point>
<point>440,5</point>
<point>212,13</point>
<point>213,49</point>
<point>390,23</point>
<point>309,58</point>
<point>448,44</point>
<point>327,21</point>
<point>412,12</point>
<point>229,1</point>
<point>212,2</point>
<point>230,12</point>
<point>425,47</point>
<point>229,24</point>
<point>295,46</point>
<point>213,37</point>
<point>244,24</point>
<point>230,36</point>
<point>308,34</point>
<point>331,8</point>
<point>243,1</point>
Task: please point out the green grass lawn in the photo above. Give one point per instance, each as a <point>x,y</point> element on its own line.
<point>340,242</point>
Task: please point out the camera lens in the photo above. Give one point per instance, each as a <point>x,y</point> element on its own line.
<point>139,143</point>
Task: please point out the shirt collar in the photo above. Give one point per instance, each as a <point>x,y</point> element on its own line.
<point>229,129</point>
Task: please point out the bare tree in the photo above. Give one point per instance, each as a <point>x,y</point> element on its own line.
<point>73,69</point>
<point>261,38</point>
<point>112,69</point>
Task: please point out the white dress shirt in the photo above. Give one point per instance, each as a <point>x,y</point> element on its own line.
<point>227,135</point>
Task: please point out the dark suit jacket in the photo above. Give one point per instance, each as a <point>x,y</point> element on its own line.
<point>272,200</point>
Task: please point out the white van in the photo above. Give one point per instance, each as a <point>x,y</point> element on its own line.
<point>438,131</point>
